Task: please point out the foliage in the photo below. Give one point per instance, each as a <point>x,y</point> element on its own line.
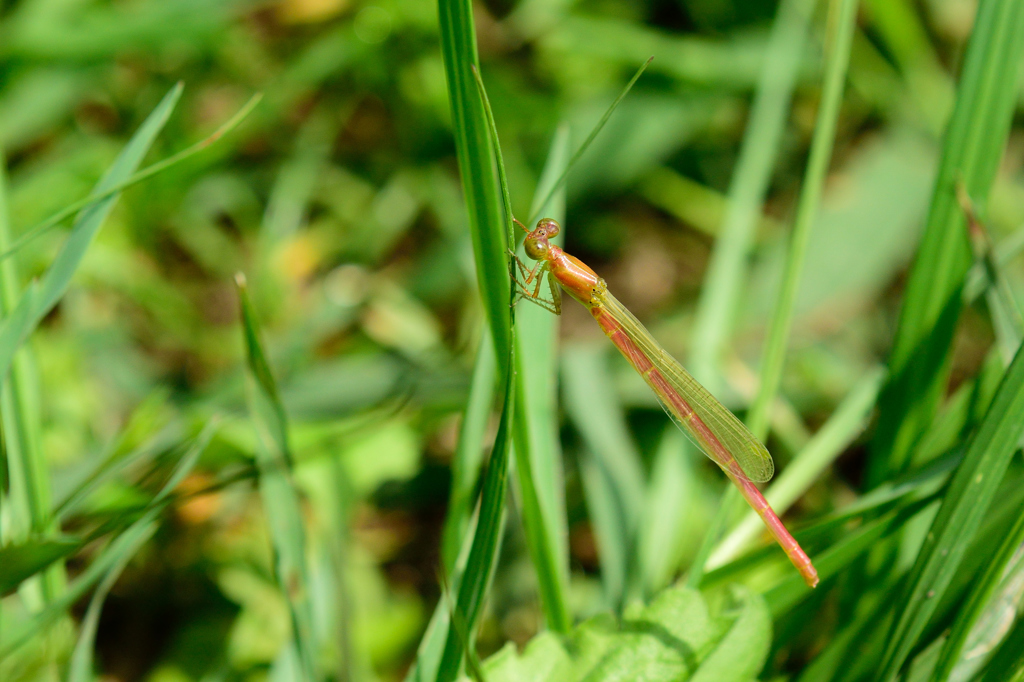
<point>357,461</point>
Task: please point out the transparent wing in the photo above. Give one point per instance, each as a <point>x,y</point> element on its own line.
<point>697,413</point>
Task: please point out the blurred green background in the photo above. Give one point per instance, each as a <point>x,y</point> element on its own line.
<point>339,198</point>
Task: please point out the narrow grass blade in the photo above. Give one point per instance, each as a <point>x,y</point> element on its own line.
<point>480,182</point>
<point>557,184</point>
<point>98,195</point>
<point>475,580</point>
<point>538,455</point>
<point>81,666</point>
<point>491,229</point>
<point>761,139</point>
<point>30,498</point>
<point>1008,663</point>
<point>20,561</point>
<point>469,452</point>
<point>828,443</point>
<point>773,358</point>
<point>981,591</point>
<point>836,64</point>
<point>972,148</point>
<point>787,593</point>
<point>671,489</point>
<point>613,477</point>
<point>41,296</point>
<point>277,490</point>
<point>963,507</point>
<point>122,548</point>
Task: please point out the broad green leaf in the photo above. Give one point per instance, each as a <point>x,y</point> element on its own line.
<point>674,638</point>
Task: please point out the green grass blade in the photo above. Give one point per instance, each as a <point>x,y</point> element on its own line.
<point>122,548</point>
<point>963,507</point>
<point>81,666</point>
<point>768,116</point>
<point>41,296</point>
<point>836,63</point>
<point>469,453</point>
<point>22,560</point>
<point>474,582</point>
<point>828,443</point>
<point>493,234</point>
<point>31,505</point>
<point>8,250</point>
<point>1008,663</point>
<point>840,556</point>
<point>670,494</point>
<point>441,652</point>
<point>612,474</point>
<point>773,358</point>
<point>558,184</point>
<point>277,490</point>
<point>981,591</point>
<point>972,149</point>
<point>537,448</point>
<point>480,183</point>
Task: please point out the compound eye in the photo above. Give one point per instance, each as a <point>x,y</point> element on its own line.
<point>550,226</point>
<point>535,248</point>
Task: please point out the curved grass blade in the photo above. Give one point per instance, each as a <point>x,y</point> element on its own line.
<point>557,184</point>
<point>773,358</point>
<point>479,175</point>
<point>963,507</point>
<point>29,489</point>
<point>277,490</point>
<point>98,195</point>
<point>469,453</point>
<point>761,140</point>
<point>441,651</point>
<point>122,548</point>
<point>475,581</point>
<point>40,297</point>
<point>823,449</point>
<point>538,454</point>
<point>981,592</point>
<point>972,148</point>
